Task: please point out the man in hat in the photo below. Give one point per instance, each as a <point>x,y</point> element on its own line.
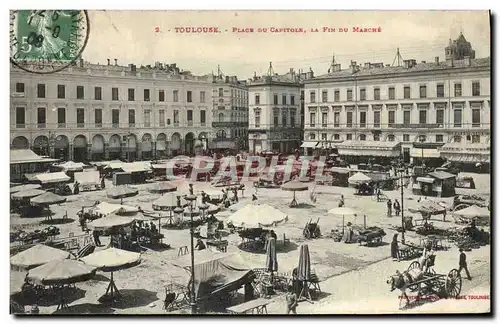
<point>341,202</point>
<point>389,208</point>
<point>191,189</point>
<point>462,264</point>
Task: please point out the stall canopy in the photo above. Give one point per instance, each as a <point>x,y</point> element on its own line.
<point>105,208</point>
<point>216,272</point>
<point>253,216</point>
<point>369,148</point>
<point>442,175</point>
<point>88,178</point>
<point>309,144</point>
<point>359,178</point>
<point>53,177</point>
<point>425,180</point>
<point>135,167</point>
<point>27,156</point>
<point>71,166</point>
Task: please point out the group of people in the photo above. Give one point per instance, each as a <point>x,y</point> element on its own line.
<point>396,206</point>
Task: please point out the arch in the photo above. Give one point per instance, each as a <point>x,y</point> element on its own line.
<point>146,145</point>
<point>98,144</point>
<point>131,142</point>
<point>175,142</point>
<point>189,142</point>
<point>20,142</point>
<point>220,117</point>
<point>115,142</point>
<point>41,145</point>
<point>161,142</point>
<point>221,133</point>
<point>80,141</point>
<point>202,136</point>
<point>61,142</point>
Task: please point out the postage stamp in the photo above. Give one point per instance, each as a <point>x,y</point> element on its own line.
<point>46,41</point>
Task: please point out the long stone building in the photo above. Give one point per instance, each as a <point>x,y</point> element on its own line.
<point>92,111</point>
<point>417,110</point>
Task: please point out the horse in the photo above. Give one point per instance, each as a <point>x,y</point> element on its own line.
<point>401,281</point>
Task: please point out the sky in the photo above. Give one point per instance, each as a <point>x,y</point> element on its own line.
<point>143,37</point>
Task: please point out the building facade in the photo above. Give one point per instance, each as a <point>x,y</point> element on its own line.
<point>230,113</point>
<point>275,112</point>
<point>94,112</point>
<point>422,106</point>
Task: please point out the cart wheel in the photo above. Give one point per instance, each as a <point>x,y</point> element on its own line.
<point>414,265</point>
<point>307,233</point>
<point>453,284</point>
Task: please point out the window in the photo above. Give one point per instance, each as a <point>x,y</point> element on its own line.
<point>406,137</point>
<point>336,119</point>
<point>61,91</point>
<point>97,93</point>
<point>176,96</point>
<point>440,90</point>
<point>336,137</point>
<point>476,117</point>
<point>376,137</point>
<point>79,92</point>
<point>257,98</point>
<point>190,117</point>
<point>202,96</point>
<point>476,89</point>
<point>407,92</point>
<point>40,90</point>
<point>392,118</point>
<point>257,119</point>
<point>161,95</point>
<point>391,138</point>
<point>324,96</point>
<point>349,95</point>
<point>61,117</point>
<point>457,138</point>
<point>292,118</point>
<point>439,138</point>
<point>312,136</point>
<point>362,137</point>
<point>275,99</point>
<point>176,117</point>
<point>324,119</point>
<point>458,89</point>
<point>276,119</point>
<point>324,136</point>
<point>98,117</point>
<point>147,118</point>
<point>203,117</point>
<point>131,118</point>
<point>348,137</point>
<point>440,117</point>
<point>283,99</point>
<point>376,119</point>
<point>19,87</point>
<point>189,96</point>
<point>20,117</point>
<point>131,94</point>
<point>457,118</point>
<point>283,118</point>
<point>422,117</point>
<point>161,117</point>
<point>114,94</point>
<point>362,94</point>
<point>312,97</point>
<point>392,93</point>
<point>476,139</point>
<point>147,95</point>
<point>221,92</point>
<point>312,121</point>
<point>349,119</point>
<point>362,119</point>
<point>406,117</point>
<point>376,94</point>
<point>221,117</point>
<point>41,117</point>
<point>292,100</point>
<point>423,91</point>
<point>115,117</point>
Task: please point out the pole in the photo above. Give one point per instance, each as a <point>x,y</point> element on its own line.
<point>402,208</point>
<point>193,293</point>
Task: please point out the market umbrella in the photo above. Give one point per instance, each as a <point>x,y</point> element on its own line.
<point>61,272</point>
<point>304,271</point>
<point>253,216</point>
<point>111,221</point>
<point>47,198</point>
<point>162,187</point>
<point>37,255</point>
<point>358,178</point>
<point>474,212</point>
<point>343,211</point>
<point>294,186</point>
<point>111,260</point>
<point>26,194</point>
<point>24,187</point>
<point>120,192</point>
<point>271,257</point>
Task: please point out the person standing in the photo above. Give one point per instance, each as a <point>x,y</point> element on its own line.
<point>397,207</point>
<point>291,303</point>
<point>395,248</point>
<point>97,240</point>
<point>341,202</point>
<point>462,264</point>
<point>389,208</point>
<point>191,189</point>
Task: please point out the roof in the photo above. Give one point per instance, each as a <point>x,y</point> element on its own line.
<point>391,70</point>
<point>441,175</point>
<point>27,156</point>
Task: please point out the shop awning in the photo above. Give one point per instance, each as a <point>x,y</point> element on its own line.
<point>309,144</point>
<point>425,153</point>
<point>369,148</point>
<point>425,180</point>
<point>27,156</point>
<point>441,175</point>
<point>466,158</point>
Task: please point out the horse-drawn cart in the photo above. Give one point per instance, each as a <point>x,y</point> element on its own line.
<point>426,282</point>
<point>312,230</point>
<point>371,236</point>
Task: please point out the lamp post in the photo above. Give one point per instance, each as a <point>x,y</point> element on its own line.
<point>422,140</point>
<point>191,199</point>
<point>401,173</point>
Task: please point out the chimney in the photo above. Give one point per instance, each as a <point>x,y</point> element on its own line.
<point>116,62</point>
<point>367,65</point>
<point>354,67</point>
<point>291,70</point>
<point>406,64</point>
<point>467,60</point>
<point>337,67</point>
<point>436,60</point>
<point>449,62</point>
<point>81,62</point>
<point>227,79</point>
<point>109,62</point>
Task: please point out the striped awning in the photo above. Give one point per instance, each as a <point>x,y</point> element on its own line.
<point>309,144</point>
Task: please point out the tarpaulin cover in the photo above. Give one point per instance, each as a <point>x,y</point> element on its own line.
<point>473,212</point>
<point>71,166</point>
<point>216,272</point>
<point>52,177</point>
<point>253,215</point>
<point>24,187</point>
<point>88,178</point>
<point>106,208</point>
<point>358,178</point>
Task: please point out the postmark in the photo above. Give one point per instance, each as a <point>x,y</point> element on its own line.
<point>47,41</point>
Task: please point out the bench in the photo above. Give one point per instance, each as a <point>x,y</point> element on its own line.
<point>183,250</point>
<point>256,306</point>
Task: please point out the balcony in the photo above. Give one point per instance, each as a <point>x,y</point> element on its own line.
<point>61,125</point>
<point>222,124</point>
<point>147,124</point>
<point>131,125</point>
<point>80,125</point>
<point>415,126</point>
<point>20,125</point>
<point>41,125</point>
<point>116,125</point>
<point>190,123</point>
<point>98,125</point>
